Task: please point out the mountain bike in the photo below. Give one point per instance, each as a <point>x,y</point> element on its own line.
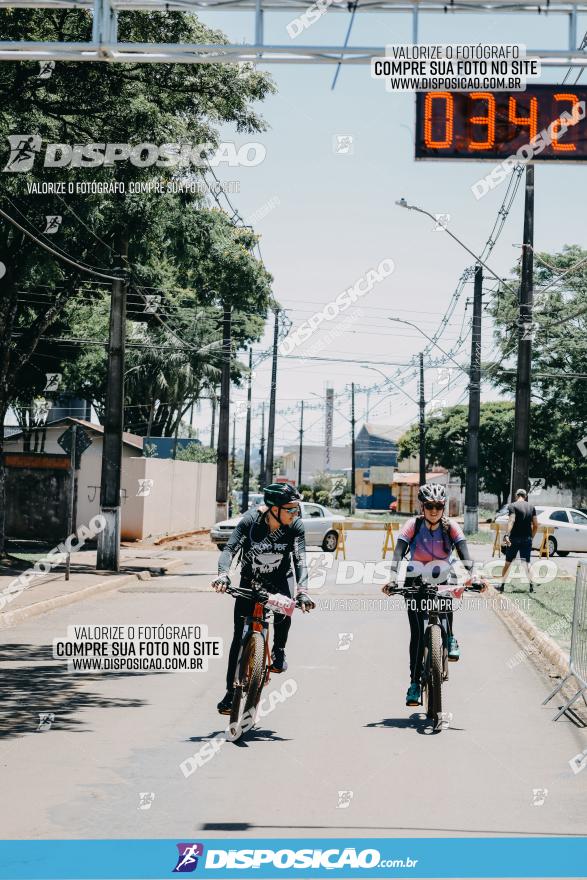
<point>435,659</point>
<point>254,659</point>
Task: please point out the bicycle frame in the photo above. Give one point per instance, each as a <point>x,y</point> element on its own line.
<point>259,621</point>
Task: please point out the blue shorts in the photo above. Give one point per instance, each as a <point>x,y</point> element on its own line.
<point>523,546</point>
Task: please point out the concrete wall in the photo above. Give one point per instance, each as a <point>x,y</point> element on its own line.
<point>313,461</point>
<point>170,497</point>
<point>181,498</point>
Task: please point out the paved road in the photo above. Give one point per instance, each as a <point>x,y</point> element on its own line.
<point>346,729</point>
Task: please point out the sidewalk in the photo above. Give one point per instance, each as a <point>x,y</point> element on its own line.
<point>48,591</point>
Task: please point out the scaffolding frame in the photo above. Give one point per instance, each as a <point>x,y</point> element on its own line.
<point>104,45</point>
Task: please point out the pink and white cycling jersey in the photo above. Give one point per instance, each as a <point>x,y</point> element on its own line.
<point>429,545</point>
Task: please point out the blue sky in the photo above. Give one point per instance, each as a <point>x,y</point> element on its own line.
<point>329,218</point>
<point>334,216</point>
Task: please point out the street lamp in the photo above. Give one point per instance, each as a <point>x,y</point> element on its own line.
<point>403,204</point>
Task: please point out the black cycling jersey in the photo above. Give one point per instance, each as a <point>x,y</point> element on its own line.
<point>267,553</point>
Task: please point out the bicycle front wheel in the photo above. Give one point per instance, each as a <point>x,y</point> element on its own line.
<point>434,684</point>
<point>256,673</point>
<point>250,678</point>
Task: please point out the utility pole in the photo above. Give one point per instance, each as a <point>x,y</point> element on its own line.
<point>353,487</point>
<point>271,427</point>
<point>525,327</point>
<point>247,463</point>
<point>224,418</point>
<point>422,423</point>
<point>213,428</point>
<point>262,449</point>
<point>232,467</point>
<point>301,446</point>
<point>108,552</point>
<point>472,479</point>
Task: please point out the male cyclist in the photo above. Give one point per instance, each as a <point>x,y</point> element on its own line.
<point>428,537</point>
<point>270,538</point>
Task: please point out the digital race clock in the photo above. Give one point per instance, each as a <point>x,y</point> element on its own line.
<point>493,125</point>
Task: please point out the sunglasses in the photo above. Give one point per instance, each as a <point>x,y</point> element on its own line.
<point>292,510</point>
<point>430,505</point>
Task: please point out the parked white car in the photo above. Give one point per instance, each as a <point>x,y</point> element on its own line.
<point>316,518</point>
<point>569,524</point>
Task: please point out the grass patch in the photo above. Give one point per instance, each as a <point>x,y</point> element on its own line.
<point>550,607</point>
<point>481,537</point>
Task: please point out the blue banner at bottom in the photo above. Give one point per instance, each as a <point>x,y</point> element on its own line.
<point>307,857</point>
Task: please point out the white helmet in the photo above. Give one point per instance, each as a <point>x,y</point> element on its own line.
<point>434,492</point>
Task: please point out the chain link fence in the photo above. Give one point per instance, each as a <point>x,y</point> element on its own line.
<point>578,651</point>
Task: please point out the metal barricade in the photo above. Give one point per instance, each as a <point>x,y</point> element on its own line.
<point>578,651</point>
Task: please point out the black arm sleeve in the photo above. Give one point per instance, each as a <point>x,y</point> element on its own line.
<point>237,539</point>
<point>298,554</point>
<point>401,548</point>
<point>463,552</point>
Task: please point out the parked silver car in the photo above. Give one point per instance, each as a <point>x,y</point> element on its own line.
<point>316,518</point>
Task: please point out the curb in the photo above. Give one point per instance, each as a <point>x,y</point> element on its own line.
<point>11,618</point>
<point>516,621</point>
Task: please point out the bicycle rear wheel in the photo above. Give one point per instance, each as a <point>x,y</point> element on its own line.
<point>434,682</point>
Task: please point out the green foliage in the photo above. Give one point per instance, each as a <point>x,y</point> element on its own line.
<point>175,244</point>
<point>559,396</point>
<point>196,453</point>
<point>446,444</point>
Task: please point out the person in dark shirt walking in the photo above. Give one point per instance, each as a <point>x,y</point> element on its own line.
<point>521,528</point>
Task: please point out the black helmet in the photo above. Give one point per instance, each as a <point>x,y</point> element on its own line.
<point>432,492</point>
<point>278,494</point>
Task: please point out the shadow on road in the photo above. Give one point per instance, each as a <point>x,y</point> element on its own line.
<point>256,734</point>
<point>417,721</point>
<point>38,687</point>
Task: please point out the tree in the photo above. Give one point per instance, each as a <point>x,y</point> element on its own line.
<point>446,444</point>
<point>154,235</point>
<point>559,391</point>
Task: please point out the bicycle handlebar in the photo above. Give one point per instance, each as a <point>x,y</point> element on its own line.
<point>257,593</point>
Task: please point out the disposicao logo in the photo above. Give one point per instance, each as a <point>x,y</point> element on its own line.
<point>187,859</point>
